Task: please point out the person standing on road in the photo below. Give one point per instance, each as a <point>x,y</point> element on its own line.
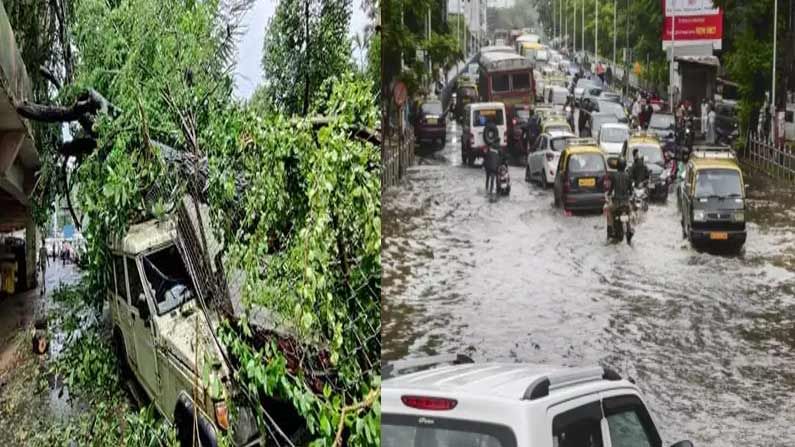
<point>491,160</point>
<point>704,113</point>
<point>711,125</point>
<point>43,266</point>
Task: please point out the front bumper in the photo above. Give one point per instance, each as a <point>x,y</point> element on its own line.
<point>582,201</point>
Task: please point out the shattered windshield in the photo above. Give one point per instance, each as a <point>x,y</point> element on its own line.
<point>168,279</point>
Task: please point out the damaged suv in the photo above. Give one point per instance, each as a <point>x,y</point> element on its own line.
<point>165,341</point>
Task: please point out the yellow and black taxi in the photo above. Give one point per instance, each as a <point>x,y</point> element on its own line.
<point>651,150</point>
<point>711,198</point>
<point>555,123</point>
<point>581,176</point>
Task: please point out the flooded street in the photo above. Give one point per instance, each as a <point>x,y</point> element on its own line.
<point>709,338</point>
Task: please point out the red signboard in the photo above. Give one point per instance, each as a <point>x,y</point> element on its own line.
<point>695,27</point>
<point>696,20</point>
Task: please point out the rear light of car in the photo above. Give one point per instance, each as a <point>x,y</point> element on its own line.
<point>471,138</point>
<point>429,403</point>
<point>550,157</point>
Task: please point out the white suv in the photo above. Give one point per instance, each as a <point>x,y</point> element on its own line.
<point>511,405</point>
<point>542,162</point>
<point>476,116</point>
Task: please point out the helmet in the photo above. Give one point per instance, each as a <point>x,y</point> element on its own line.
<point>622,164</point>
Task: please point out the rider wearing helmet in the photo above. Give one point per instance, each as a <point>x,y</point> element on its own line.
<point>620,191</point>
<point>640,172</point>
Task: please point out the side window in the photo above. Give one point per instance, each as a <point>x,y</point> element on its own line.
<point>579,427</point>
<point>121,284</point>
<point>629,423</point>
<point>136,289</point>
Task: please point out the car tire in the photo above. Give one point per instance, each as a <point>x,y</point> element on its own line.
<point>527,174</point>
<point>542,180</point>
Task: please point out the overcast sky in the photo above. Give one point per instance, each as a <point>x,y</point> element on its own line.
<point>249,70</point>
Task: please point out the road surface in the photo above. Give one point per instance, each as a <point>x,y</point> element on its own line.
<point>708,337</point>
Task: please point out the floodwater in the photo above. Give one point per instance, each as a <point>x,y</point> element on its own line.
<point>708,337</point>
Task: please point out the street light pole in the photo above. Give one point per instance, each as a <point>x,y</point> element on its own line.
<point>615,17</point>
<point>673,49</point>
<point>773,88</point>
<point>596,30</point>
<point>583,27</point>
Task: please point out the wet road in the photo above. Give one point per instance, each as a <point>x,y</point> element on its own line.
<point>708,337</point>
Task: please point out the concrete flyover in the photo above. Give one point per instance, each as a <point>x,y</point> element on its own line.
<point>19,158</point>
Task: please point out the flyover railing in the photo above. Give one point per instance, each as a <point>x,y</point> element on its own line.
<point>773,159</point>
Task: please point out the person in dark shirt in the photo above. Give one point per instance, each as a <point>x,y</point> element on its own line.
<point>640,172</point>
<point>620,191</point>
<point>491,160</point>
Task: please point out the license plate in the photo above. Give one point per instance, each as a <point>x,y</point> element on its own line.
<point>719,236</point>
<point>432,121</point>
<point>624,218</point>
<point>590,182</point>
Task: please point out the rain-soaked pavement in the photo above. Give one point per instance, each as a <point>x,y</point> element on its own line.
<point>708,337</point>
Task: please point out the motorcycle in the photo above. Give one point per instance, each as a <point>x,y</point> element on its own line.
<point>640,196</point>
<point>503,180</point>
<point>618,222</point>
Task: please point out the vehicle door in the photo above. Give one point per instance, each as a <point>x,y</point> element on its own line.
<point>144,329</point>
<point>628,422</point>
<point>687,193</point>
<point>125,315</point>
<point>559,174</point>
<point>578,422</point>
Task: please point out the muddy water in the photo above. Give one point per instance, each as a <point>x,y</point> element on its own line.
<point>708,337</point>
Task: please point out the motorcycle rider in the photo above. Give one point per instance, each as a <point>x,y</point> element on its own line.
<point>619,192</point>
<point>640,172</point>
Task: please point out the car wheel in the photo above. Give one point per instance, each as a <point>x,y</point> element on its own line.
<point>557,201</point>
<point>527,174</point>
<point>542,180</point>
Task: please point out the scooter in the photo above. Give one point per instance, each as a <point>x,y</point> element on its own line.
<point>640,196</point>
<point>618,223</point>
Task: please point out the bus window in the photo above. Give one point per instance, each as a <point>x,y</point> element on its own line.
<point>499,83</point>
<point>521,81</point>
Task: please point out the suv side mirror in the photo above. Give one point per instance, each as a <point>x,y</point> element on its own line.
<point>683,444</point>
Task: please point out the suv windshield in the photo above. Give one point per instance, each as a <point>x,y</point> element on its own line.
<point>614,135</point>
<point>586,163</point>
<point>650,154</point>
<point>484,116</point>
<point>661,121</point>
<point>168,278</point>
<point>718,182</point>
<point>413,431</point>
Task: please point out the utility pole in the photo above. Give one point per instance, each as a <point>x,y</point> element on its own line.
<point>574,29</point>
<point>596,30</point>
<point>615,17</point>
<point>773,88</point>
<point>583,26</point>
<point>673,49</point>
<point>560,23</point>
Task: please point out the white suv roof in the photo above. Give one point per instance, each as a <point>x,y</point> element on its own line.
<point>511,381</point>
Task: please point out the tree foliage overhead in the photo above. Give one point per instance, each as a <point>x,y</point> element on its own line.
<point>305,43</point>
<point>305,231</point>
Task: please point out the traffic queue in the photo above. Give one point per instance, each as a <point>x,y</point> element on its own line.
<point>530,105</point>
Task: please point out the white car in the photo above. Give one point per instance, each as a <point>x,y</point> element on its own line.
<point>476,116</point>
<point>542,163</point>
<point>611,139</point>
<point>512,405</point>
<point>557,95</point>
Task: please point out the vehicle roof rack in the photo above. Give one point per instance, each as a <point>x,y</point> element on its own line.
<point>714,152</point>
<point>559,379</point>
<point>392,368</point>
<point>580,142</point>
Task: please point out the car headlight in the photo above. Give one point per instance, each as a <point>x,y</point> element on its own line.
<point>739,216</point>
<point>699,216</point>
